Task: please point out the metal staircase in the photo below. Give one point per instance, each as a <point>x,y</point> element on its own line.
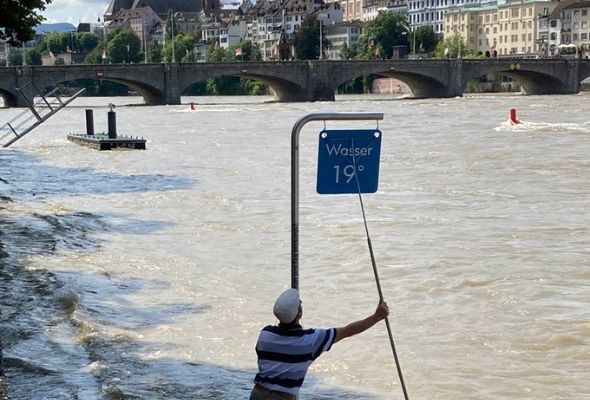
<point>38,112</point>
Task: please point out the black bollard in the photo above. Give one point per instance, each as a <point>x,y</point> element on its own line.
<point>112,117</point>
<point>89,122</point>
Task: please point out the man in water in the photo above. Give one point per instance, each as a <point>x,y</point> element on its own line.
<point>285,351</point>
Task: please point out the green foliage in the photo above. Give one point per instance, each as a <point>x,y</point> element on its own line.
<point>426,39</point>
<point>154,52</point>
<point>354,86</point>
<point>95,56</point>
<point>219,54</point>
<point>180,49</point>
<point>124,47</point>
<point>56,43</point>
<point>101,87</point>
<point>347,53</point>
<point>307,39</point>
<point>86,41</point>
<point>250,51</point>
<point>14,58</point>
<point>18,17</point>
<point>386,31</point>
<point>454,46</point>
<point>33,57</point>
<point>254,87</point>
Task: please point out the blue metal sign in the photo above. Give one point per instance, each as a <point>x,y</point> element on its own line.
<point>348,161</point>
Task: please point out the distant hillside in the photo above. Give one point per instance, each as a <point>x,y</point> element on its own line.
<point>59,27</point>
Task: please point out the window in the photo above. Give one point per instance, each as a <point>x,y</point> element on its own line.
<point>553,23</point>
<point>553,36</point>
<point>495,30</point>
<point>515,12</point>
<point>584,36</point>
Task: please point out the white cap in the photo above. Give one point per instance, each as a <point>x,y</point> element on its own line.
<point>286,307</point>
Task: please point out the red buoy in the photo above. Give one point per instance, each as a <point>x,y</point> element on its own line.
<point>192,106</point>
<point>513,118</point>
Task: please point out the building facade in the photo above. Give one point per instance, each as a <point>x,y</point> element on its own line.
<point>508,29</point>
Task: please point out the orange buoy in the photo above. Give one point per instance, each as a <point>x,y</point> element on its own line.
<point>512,117</point>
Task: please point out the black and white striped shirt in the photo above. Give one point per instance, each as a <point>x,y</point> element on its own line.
<point>284,355</point>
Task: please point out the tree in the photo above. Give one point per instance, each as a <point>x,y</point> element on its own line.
<point>87,41</point>
<point>14,58</point>
<point>95,56</point>
<point>307,38</point>
<point>33,57</point>
<point>452,47</point>
<point>387,30</point>
<point>426,39</point>
<point>18,17</point>
<point>347,53</point>
<point>56,43</point>
<point>180,48</point>
<point>154,52</point>
<point>250,51</point>
<point>124,47</point>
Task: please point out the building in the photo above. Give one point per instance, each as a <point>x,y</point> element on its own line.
<point>340,34</point>
<point>141,20</point>
<point>508,29</point>
<point>432,12</point>
<point>575,20</point>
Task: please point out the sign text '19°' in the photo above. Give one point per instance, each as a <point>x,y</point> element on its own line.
<point>342,154</point>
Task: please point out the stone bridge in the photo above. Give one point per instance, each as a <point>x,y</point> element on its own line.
<point>295,81</point>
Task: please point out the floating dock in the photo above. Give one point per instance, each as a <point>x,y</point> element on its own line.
<point>106,141</point>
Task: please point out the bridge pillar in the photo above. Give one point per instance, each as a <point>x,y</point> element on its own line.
<point>24,81</point>
<point>172,84</point>
<point>319,82</point>
<point>455,78</point>
<point>571,81</point>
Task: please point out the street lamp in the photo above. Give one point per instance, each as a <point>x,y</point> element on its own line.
<point>409,30</point>
<point>127,59</point>
<point>173,46</point>
<point>321,18</point>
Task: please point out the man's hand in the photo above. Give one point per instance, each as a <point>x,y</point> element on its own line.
<point>382,311</point>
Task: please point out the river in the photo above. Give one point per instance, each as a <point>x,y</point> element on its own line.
<point>149,274</point>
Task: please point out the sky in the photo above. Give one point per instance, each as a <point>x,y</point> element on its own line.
<point>75,11</point>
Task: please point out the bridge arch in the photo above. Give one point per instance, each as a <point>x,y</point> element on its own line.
<point>425,79</point>
<point>288,87</point>
<point>10,98</point>
<point>534,78</point>
<point>150,89</point>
